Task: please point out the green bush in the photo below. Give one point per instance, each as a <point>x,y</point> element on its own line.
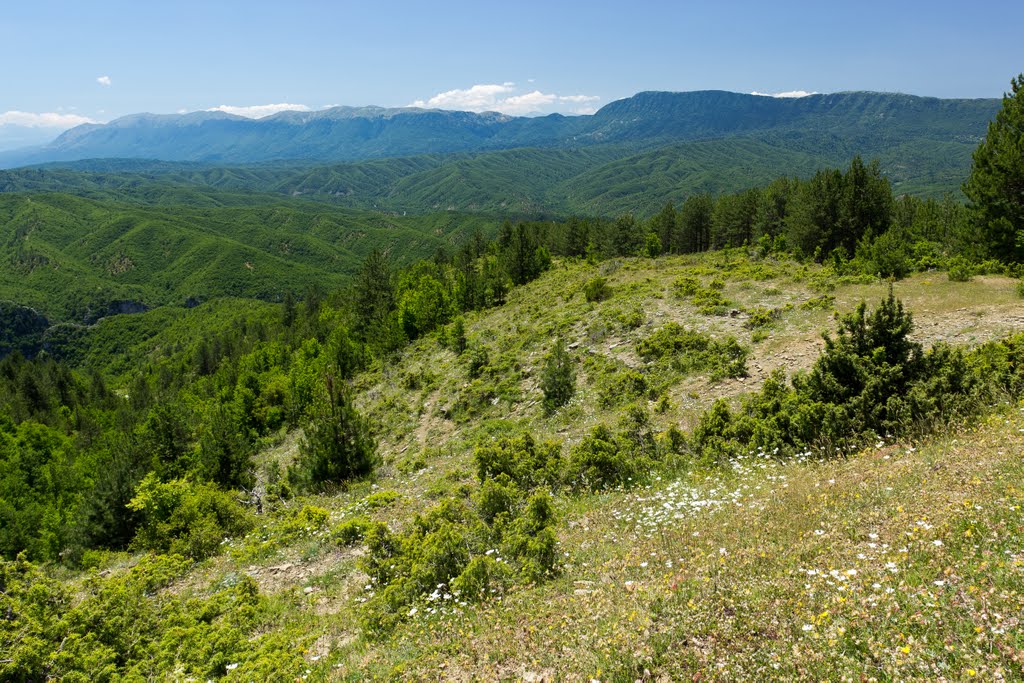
<point>483,576</point>
<point>453,553</point>
<point>351,531</point>
<point>522,459</point>
<point>596,289</point>
<point>127,627</point>
<point>687,286</point>
<point>498,496</point>
<point>871,380</point>
<point>186,518</point>
<point>599,461</point>
<point>477,360</point>
<point>762,317</point>
<point>381,499</point>
<point>301,523</point>
<point>688,351</point>
<point>959,270</point>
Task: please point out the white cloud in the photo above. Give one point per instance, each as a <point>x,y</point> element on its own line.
<point>788,93</point>
<point>507,99</point>
<point>104,80</point>
<point>44,120</point>
<point>258,111</point>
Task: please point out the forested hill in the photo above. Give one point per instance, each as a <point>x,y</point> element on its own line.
<point>645,120</point>
<point>79,259</point>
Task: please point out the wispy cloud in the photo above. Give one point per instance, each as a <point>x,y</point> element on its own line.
<point>104,80</point>
<point>506,98</point>
<point>258,111</point>
<point>44,120</point>
<point>788,93</point>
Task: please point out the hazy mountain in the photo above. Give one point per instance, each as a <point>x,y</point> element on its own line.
<point>644,121</point>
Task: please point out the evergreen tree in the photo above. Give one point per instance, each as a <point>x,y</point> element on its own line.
<point>577,235</point>
<point>663,224</point>
<point>627,236</point>
<point>373,295</point>
<point>867,204</point>
<point>695,224</point>
<point>337,445</point>
<point>996,184</point>
<point>558,378</point>
<point>815,213</point>
<point>732,221</point>
<point>523,255</point>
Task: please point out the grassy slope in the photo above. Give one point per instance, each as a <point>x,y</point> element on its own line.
<point>702,572</point>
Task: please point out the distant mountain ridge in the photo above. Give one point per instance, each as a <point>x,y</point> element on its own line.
<point>644,121</point>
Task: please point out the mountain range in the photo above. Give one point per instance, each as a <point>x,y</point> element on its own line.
<point>646,120</point>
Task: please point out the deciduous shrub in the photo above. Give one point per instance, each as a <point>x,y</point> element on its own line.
<point>186,518</point>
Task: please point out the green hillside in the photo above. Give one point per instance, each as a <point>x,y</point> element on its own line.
<point>75,258</point>
<point>603,180</point>
<point>724,566</point>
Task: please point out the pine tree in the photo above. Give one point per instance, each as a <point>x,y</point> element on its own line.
<point>558,378</point>
<point>374,295</point>
<point>996,184</point>
<point>337,445</point>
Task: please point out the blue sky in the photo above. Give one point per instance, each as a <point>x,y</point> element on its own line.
<point>68,62</point>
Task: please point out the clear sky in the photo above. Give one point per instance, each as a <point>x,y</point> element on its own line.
<point>68,61</point>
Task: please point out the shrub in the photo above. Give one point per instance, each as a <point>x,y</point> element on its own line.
<point>185,518</point>
<point>381,499</point>
<point>959,270</point>
<point>711,302</point>
<point>598,462</point>
<point>497,496</point>
<point>454,336</point>
<point>125,627</point>
<point>300,523</point>
<point>450,551</point>
<point>531,541</point>
<point>762,317</point>
<point>596,289</point>
<point>870,380</point>
<point>481,578</point>
<point>686,286</point>
<point>477,360</point>
<point>689,351</point>
<point>558,378</point>
<point>522,459</point>
<point>351,531</point>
